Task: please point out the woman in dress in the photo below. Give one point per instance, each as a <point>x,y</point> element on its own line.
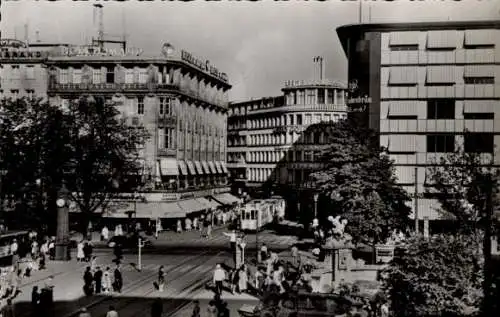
<point>80,255</point>
<point>106,281</point>
<point>243,280</point>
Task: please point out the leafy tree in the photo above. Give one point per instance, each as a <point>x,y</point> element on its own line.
<point>359,182</point>
<point>87,146</point>
<point>439,276</point>
<point>466,185</point>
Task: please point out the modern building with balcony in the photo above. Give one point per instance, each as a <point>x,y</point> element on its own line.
<point>266,137</point>
<point>427,88</point>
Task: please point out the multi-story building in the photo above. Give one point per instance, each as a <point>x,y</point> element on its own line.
<point>267,137</point>
<point>22,69</point>
<point>427,88</point>
<point>180,99</point>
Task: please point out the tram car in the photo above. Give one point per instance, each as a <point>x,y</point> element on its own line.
<point>257,214</point>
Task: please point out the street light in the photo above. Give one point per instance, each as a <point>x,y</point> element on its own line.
<point>140,245</point>
<point>62,237</point>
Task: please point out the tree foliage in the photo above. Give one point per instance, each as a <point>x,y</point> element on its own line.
<point>87,146</point>
<point>359,181</point>
<point>440,276</point>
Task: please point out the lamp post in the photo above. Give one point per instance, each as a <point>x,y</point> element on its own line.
<point>62,237</point>
<point>315,197</point>
<point>140,245</point>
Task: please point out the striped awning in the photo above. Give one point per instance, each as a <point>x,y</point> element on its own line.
<point>153,210</point>
<point>227,199</point>
<point>191,168</point>
<point>183,167</point>
<point>213,169</point>
<point>205,167</point>
<point>191,205</point>
<point>219,167</point>
<point>224,167</point>
<point>168,167</point>
<point>198,167</point>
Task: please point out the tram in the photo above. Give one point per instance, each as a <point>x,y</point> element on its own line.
<point>261,212</point>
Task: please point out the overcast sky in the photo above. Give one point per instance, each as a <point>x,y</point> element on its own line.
<point>259,44</point>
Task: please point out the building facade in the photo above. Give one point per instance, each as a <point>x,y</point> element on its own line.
<point>178,98</point>
<point>269,141</point>
<point>428,88</point>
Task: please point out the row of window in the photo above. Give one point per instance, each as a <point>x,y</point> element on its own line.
<point>283,156</point>
<point>315,96</point>
<point>175,183</point>
<point>236,140</point>
<point>257,104</point>
<point>444,109</point>
<point>292,176</point>
<point>28,72</point>
<point>15,93</point>
<point>473,143</point>
<point>312,137</point>
<point>294,119</point>
<point>467,81</point>
<point>414,47</point>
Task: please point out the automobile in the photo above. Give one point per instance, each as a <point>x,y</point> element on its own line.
<point>129,241</point>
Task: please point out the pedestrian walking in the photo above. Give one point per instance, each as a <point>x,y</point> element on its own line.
<point>235,278</point>
<point>88,280</point>
<point>106,281</point>
<point>52,249</point>
<point>157,308</point>
<point>80,256</point>
<point>118,282</point>
<point>212,309</point>
<point>104,234</point>
<point>232,243</point>
<point>8,309</point>
<point>209,230</point>
<point>98,280</point>
<point>35,300</point>
<point>161,278</point>
<point>196,309</point>
<point>117,250</point>
<point>34,249</point>
<point>219,277</point>
<point>14,247</point>
<point>93,264</point>
<point>179,226</point>
<point>243,279</point>
<point>84,313</point>
<point>112,312</point>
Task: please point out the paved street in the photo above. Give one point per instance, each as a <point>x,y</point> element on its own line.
<point>186,275</point>
<point>192,240</point>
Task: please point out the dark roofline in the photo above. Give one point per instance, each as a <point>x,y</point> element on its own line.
<point>251,101</point>
<point>345,31</point>
<point>48,44</point>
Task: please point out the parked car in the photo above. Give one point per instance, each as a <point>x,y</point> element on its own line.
<point>129,241</point>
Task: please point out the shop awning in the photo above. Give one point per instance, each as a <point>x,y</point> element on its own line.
<point>113,209</point>
<point>224,168</point>
<point>183,168</point>
<point>227,199</point>
<point>191,168</point>
<point>198,167</point>
<point>191,205</point>
<point>210,203</point>
<point>205,167</point>
<point>153,210</point>
<point>219,167</point>
<point>212,167</point>
<point>168,167</point>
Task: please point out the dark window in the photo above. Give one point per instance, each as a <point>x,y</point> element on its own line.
<point>478,142</point>
<point>479,46</point>
<point>402,117</point>
<point>110,75</point>
<point>441,49</point>
<point>321,96</point>
<point>439,84</point>
<point>440,143</point>
<point>140,105</point>
<point>441,109</point>
<point>479,116</point>
<point>299,119</point>
<point>479,80</point>
<point>411,47</point>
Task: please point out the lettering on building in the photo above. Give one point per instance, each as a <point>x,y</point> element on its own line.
<point>21,54</point>
<point>203,65</point>
<point>96,51</point>
<point>356,101</point>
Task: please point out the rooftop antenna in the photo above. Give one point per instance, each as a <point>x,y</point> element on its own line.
<point>26,39</point>
<point>100,26</point>
<point>124,28</point>
<point>37,36</point>
<point>15,33</point>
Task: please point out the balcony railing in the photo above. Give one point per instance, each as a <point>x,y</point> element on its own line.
<point>111,87</point>
<point>167,120</point>
<point>167,152</point>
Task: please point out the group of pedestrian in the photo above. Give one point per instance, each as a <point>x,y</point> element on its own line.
<point>42,300</point>
<point>111,312</point>
<point>97,281</point>
<point>84,250</point>
<point>216,307</point>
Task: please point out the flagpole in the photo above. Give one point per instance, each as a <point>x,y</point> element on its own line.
<point>360,11</point>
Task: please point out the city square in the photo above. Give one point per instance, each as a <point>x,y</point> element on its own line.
<point>340,162</point>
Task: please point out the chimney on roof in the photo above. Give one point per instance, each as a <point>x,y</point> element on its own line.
<point>319,69</point>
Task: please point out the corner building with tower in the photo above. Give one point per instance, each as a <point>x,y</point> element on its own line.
<point>271,141</point>
<point>181,101</point>
<point>427,88</point>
